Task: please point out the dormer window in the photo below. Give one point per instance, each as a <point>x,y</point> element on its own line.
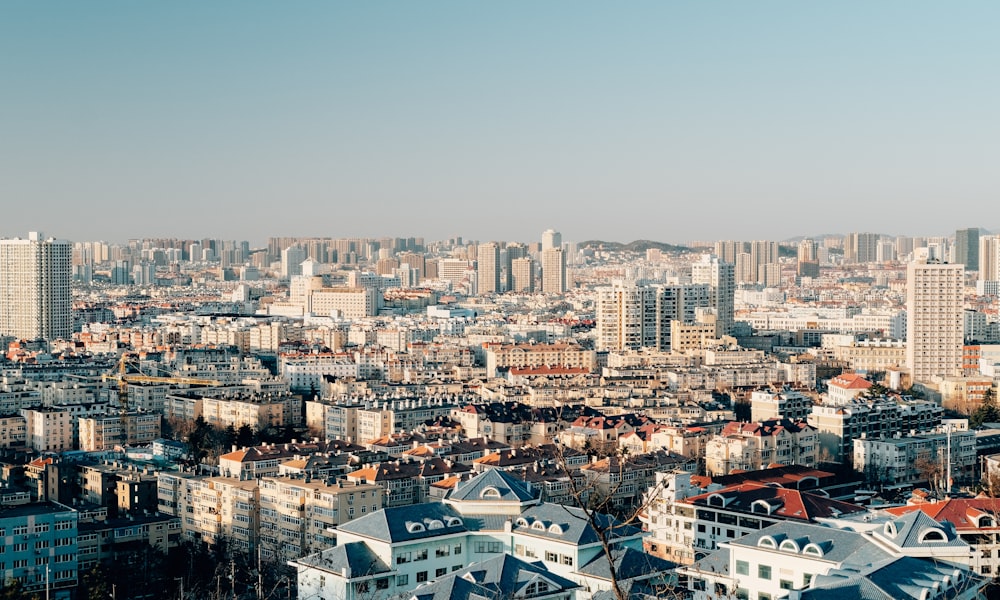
<point>453,522</point>
<point>813,549</point>
<point>490,493</point>
<point>538,526</point>
<point>889,529</point>
<point>415,527</point>
<point>435,524</point>
<point>716,500</point>
<point>521,522</point>
<point>767,542</point>
<point>556,529</point>
<point>932,535</point>
<point>789,546</point>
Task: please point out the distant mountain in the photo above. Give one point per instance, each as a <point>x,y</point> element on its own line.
<point>636,246</point>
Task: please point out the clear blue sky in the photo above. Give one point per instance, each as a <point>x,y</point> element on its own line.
<point>663,120</point>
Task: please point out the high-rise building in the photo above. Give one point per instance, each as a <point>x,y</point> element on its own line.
<point>967,248</point>
<point>553,271</point>
<point>934,325</point>
<point>721,280</point>
<point>861,247</point>
<point>292,258</point>
<point>989,258</point>
<point>631,315</point>
<point>551,239</point>
<point>488,266</point>
<point>523,279</point>
<point>35,299</point>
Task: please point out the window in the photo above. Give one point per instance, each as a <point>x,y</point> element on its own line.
<point>551,557</point>
<point>403,558</point>
<point>457,549</point>
<point>764,571</point>
<point>806,579</point>
<point>763,596</point>
<point>440,572</point>
<point>456,568</point>
<point>742,594</point>
<point>421,576</point>
<point>494,547</point>
<point>742,567</point>
<point>402,580</point>
<point>420,555</point>
<point>567,560</point>
<point>785,584</point>
<point>382,584</point>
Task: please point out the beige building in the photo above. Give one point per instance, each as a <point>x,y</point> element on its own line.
<point>752,446</point>
<point>934,323</point>
<point>35,299</point>
<point>554,271</point>
<point>523,274</point>
<point>504,356</point>
<point>13,431</point>
<point>872,355</point>
<point>48,429</point>
<point>104,432</point>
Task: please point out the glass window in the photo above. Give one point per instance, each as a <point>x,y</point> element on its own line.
<point>764,571</point>
<point>742,567</point>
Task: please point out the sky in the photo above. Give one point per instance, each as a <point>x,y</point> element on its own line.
<point>667,120</point>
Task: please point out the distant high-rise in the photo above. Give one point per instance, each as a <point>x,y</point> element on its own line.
<point>861,247</point>
<point>488,266</point>
<point>967,248</point>
<point>551,239</point>
<point>523,279</point>
<point>632,315</point>
<point>989,258</point>
<point>553,271</point>
<point>35,299</point>
<point>292,258</point>
<point>721,280</point>
<point>934,324</point>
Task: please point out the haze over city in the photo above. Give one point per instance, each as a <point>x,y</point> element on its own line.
<point>496,120</point>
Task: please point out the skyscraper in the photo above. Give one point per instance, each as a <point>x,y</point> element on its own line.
<point>488,266</point>
<point>35,299</point>
<point>934,325</point>
<point>553,271</point>
<point>721,280</point>
<point>632,315</point>
<point>989,253</point>
<point>551,239</point>
<point>967,248</point>
<point>523,278</point>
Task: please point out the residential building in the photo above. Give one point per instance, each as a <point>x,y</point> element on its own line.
<point>48,429</point>
<point>35,298</point>
<point>967,248</point>
<point>934,335</point>
<point>917,458</point>
<point>488,267</point>
<point>554,271</point>
<point>720,276</point>
<point>783,404</point>
<point>523,274</point>
<point>750,446</point>
<point>40,548</point>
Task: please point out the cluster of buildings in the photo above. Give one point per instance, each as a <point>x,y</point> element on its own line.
<point>750,419</point>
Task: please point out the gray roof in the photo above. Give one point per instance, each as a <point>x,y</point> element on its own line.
<point>629,564</point>
<point>901,578</point>
<point>570,523</point>
<point>511,489</point>
<point>405,523</point>
<point>716,562</point>
<point>838,545</point>
<point>355,559</point>
<point>912,525</point>
<point>498,577</point>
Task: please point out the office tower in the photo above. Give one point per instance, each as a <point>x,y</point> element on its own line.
<point>967,248</point>
<point>551,239</point>
<point>292,258</point>
<point>488,267</point>
<point>632,315</point>
<point>861,247</point>
<point>989,258</point>
<point>553,271</point>
<point>35,300</point>
<point>934,334</point>
<point>721,280</point>
<point>523,279</point>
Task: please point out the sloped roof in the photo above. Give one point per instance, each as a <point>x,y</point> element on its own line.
<point>355,559</point>
<point>911,527</point>
<point>499,577</point>
<point>785,503</point>
<point>571,524</point>
<point>839,545</point>
<point>393,524</point>
<point>629,564</point>
<point>902,578</point>
<point>510,488</point>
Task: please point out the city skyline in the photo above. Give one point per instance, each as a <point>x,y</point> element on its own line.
<point>496,121</point>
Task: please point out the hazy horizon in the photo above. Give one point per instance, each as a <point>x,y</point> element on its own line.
<point>666,121</point>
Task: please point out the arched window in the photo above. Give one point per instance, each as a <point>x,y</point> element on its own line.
<point>932,535</point>
<point>767,542</point>
<point>716,500</point>
<point>490,493</point>
<point>813,549</point>
<point>538,525</point>
<point>454,522</point>
<point>435,524</point>
<point>789,546</point>
<point>415,527</point>
<point>556,529</point>
<point>889,529</point>
<point>521,522</point>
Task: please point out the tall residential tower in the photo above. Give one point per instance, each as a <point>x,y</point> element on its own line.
<point>35,300</point>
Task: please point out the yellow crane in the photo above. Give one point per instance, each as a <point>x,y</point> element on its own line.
<point>123,377</point>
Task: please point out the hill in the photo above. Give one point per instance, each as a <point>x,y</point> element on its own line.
<point>636,246</point>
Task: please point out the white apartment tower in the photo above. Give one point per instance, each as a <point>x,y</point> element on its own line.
<point>488,266</point>
<point>553,271</point>
<point>35,299</point>
<point>934,326</point>
<point>551,239</point>
<point>721,280</point>
<point>631,315</point>
<point>989,253</point>
<point>291,261</point>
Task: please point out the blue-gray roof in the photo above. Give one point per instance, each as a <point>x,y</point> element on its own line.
<point>500,577</point>
<point>901,578</point>
<point>354,559</point>
<point>405,523</point>
<point>629,564</point>
<point>837,545</point>
<point>568,524</point>
<point>505,487</point>
<point>911,526</point>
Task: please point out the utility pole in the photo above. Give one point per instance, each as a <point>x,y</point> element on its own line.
<point>260,577</point>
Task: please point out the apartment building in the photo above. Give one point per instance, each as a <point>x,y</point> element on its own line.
<point>105,432</point>
<point>40,548</point>
<point>751,446</point>
<point>505,356</point>
<point>912,459</point>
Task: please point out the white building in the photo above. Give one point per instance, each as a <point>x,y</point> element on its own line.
<point>35,296</point>
<point>934,335</point>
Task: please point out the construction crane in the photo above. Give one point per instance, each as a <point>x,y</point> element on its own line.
<point>123,377</point>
